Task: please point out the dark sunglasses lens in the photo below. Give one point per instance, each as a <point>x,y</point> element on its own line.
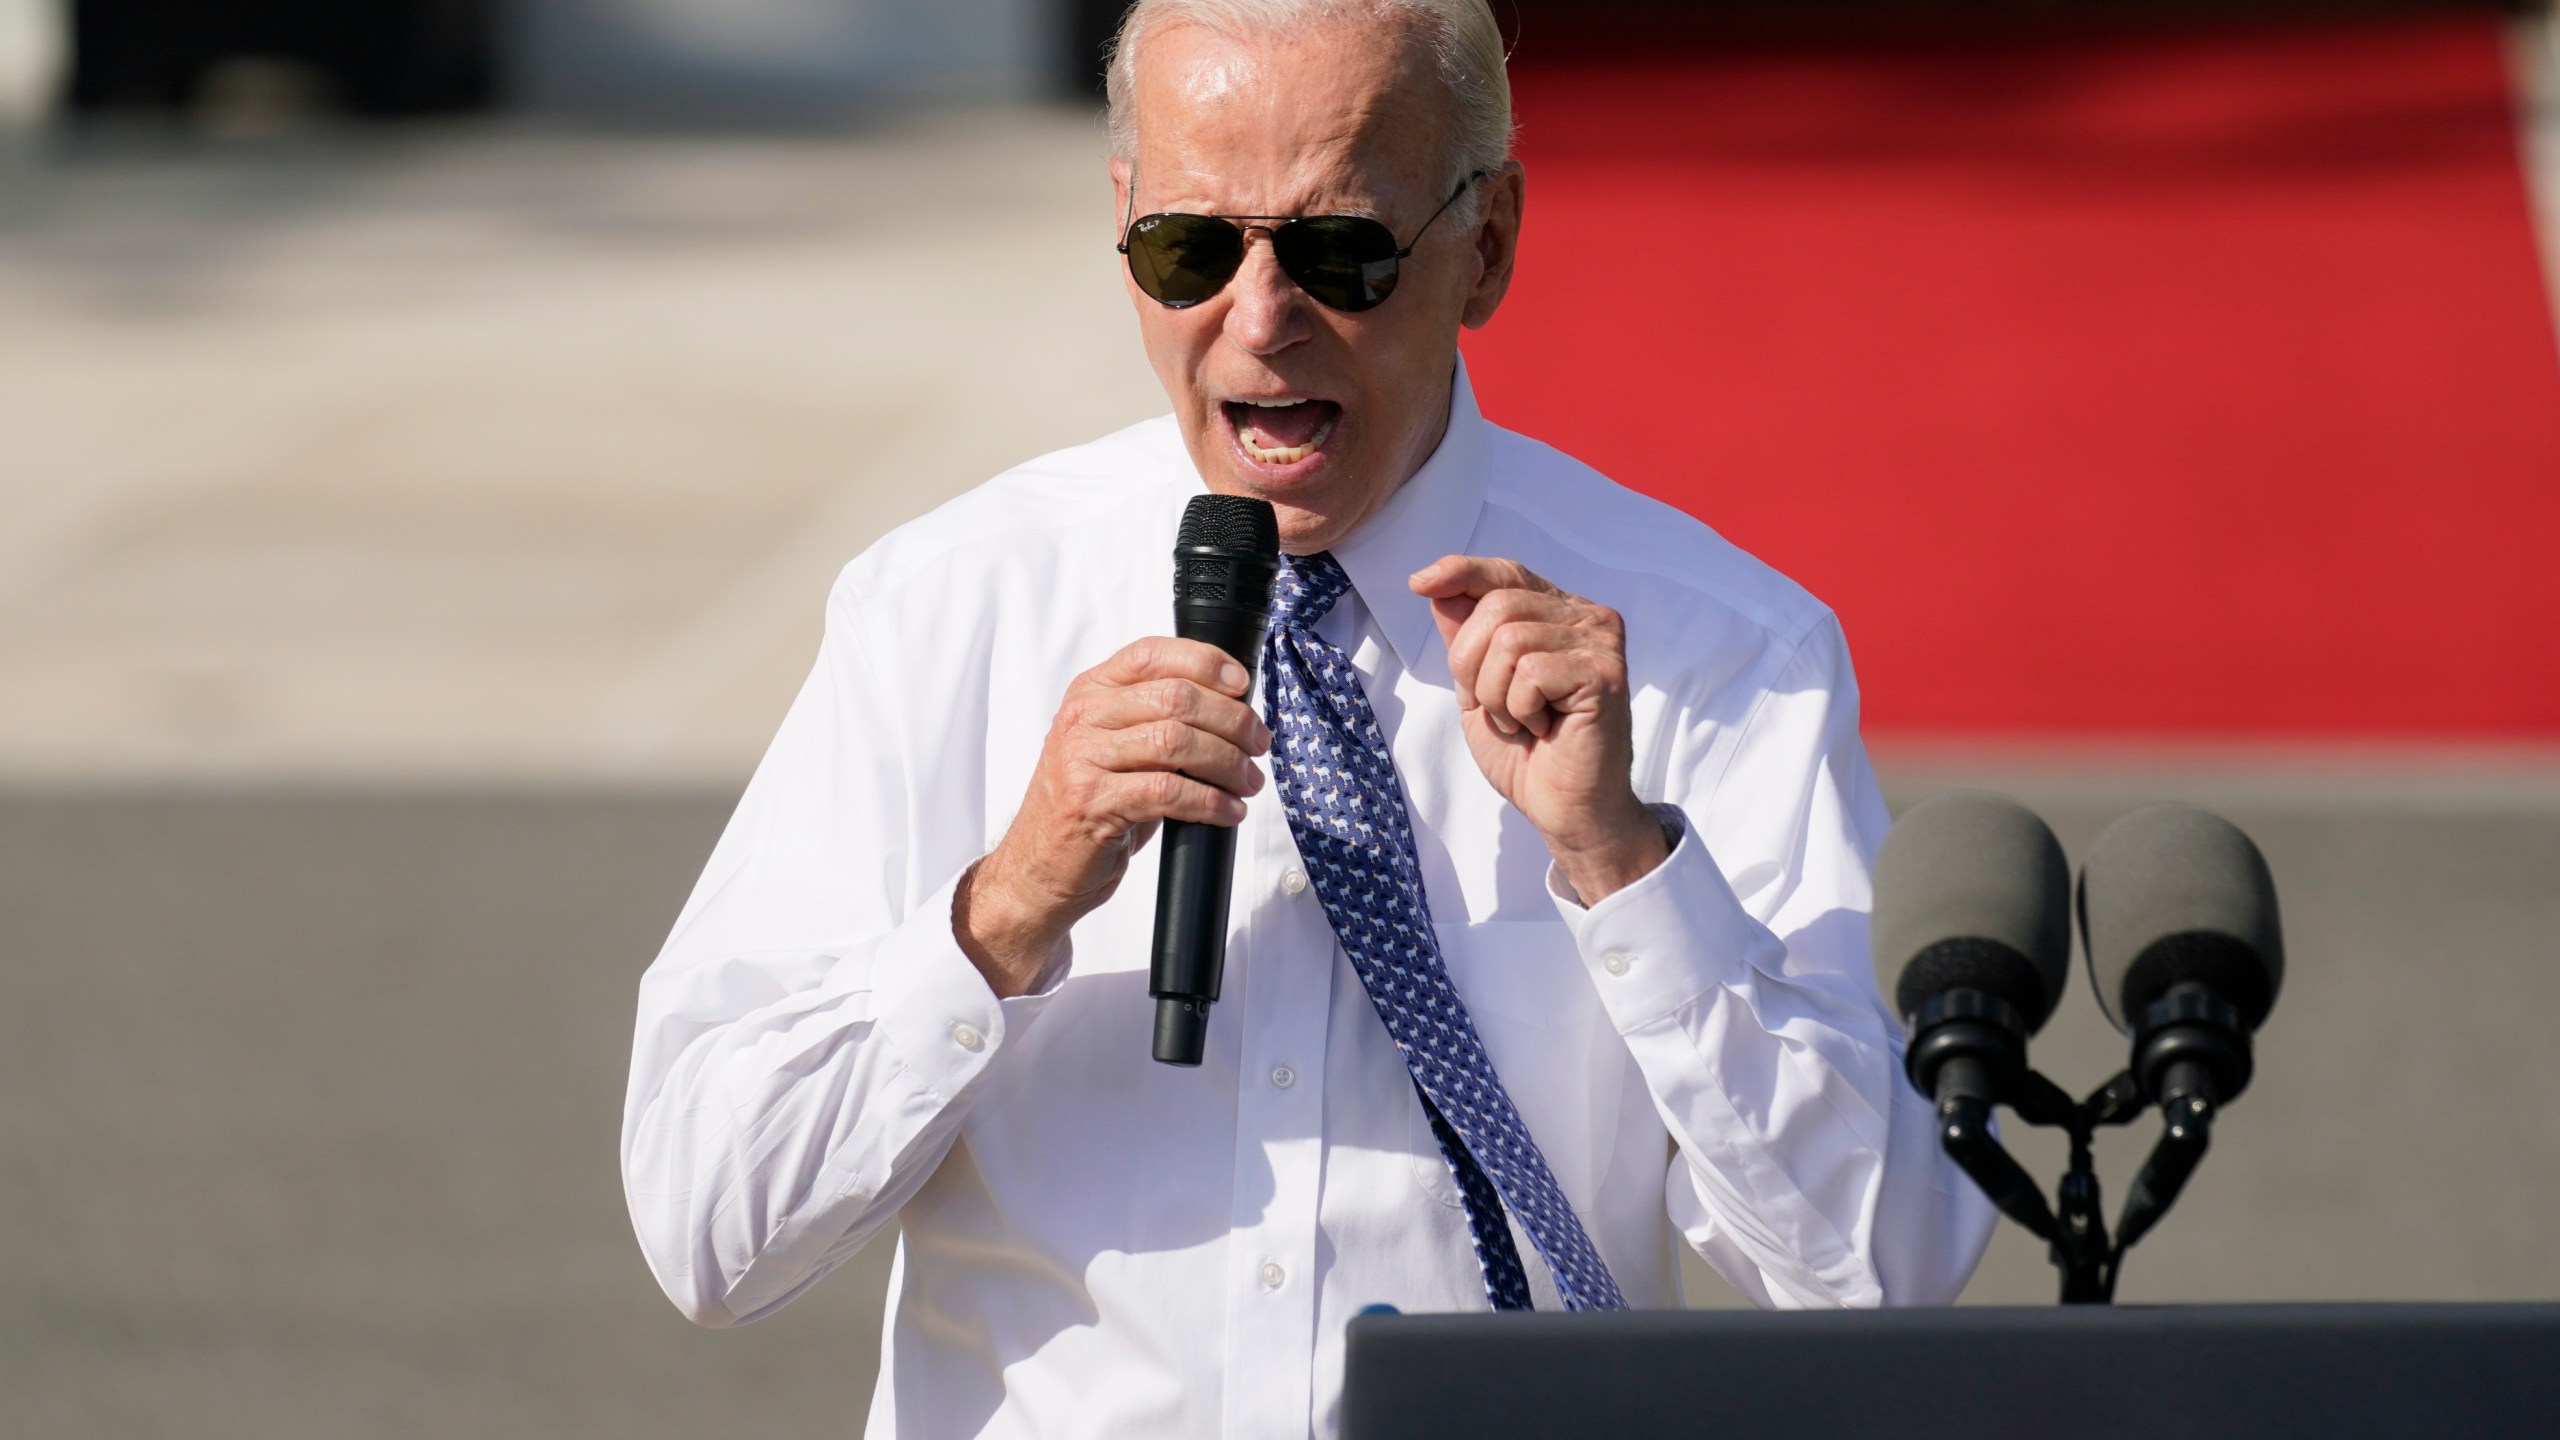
<point>1345,261</point>
<point>1183,259</point>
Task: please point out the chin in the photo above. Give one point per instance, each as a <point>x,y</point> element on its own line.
<point>1315,507</point>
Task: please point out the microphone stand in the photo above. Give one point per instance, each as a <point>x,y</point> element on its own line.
<point>2073,1228</point>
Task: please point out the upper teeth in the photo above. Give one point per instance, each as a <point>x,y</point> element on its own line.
<point>1271,404</point>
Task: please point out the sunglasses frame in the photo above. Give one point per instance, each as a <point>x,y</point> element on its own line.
<point>1271,226</point>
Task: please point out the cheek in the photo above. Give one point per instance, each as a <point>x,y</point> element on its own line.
<point>1177,341</point>
<point>1399,357</point>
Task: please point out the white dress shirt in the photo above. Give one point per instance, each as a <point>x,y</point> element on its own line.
<point>1093,1244</point>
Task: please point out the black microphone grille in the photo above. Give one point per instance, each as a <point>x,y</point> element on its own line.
<point>1230,522</point>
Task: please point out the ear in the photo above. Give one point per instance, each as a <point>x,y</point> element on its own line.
<point>1119,195</point>
<point>1497,242</point>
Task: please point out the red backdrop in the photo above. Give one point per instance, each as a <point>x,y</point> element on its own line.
<point>2174,386</point>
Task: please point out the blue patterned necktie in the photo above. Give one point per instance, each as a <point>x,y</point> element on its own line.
<point>1347,813</point>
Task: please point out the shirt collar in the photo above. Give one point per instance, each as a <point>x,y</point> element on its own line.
<point>1430,515</point>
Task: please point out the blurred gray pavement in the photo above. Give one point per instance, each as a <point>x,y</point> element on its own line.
<point>310,1110</point>
<point>310,1101</point>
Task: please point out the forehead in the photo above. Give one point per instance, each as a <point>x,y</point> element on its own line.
<point>1335,114</point>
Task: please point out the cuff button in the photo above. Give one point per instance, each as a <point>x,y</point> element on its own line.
<point>1616,962</point>
<point>967,1036</point>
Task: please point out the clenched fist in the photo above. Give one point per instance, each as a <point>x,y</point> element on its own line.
<point>1160,731</point>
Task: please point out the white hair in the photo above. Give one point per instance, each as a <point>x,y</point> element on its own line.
<point>1465,45</point>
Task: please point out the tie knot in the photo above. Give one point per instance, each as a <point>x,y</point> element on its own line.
<point>1306,589</point>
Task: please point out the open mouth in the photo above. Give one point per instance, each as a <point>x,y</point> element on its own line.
<point>1281,431</point>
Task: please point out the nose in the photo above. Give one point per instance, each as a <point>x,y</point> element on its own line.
<point>1266,311</point>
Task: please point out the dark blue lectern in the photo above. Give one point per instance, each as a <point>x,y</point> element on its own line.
<point>2206,1372</point>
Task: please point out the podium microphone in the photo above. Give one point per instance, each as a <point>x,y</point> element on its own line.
<point>1224,559</point>
<point>1972,939</point>
<point>2186,951</point>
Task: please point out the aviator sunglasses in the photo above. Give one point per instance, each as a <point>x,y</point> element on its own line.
<point>1347,262</point>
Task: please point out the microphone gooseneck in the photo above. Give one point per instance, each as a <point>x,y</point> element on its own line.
<point>1224,560</point>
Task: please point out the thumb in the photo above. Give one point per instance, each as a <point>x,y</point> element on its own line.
<point>1450,614</point>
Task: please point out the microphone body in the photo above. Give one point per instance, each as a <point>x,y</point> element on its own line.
<point>2186,951</point>
<point>1972,941</point>
<point>1224,560</point>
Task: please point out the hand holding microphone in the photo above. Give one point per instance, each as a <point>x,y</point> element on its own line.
<point>1164,731</point>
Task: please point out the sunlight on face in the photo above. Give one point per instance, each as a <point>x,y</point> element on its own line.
<point>1321,412</point>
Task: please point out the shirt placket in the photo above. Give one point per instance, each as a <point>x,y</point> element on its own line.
<point>1279,1161</point>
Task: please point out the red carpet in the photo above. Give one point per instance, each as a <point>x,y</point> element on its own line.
<point>2196,386</point>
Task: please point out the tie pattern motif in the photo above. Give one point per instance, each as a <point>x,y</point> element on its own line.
<point>1346,811</point>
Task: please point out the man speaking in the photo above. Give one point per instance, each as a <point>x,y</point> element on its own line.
<point>1585,783</point>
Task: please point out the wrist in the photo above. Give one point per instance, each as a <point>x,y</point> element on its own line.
<point>1613,855</point>
<point>1011,943</point>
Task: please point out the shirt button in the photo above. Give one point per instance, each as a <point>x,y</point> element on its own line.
<point>1293,881</point>
<point>1272,1275</point>
<point>966,1036</point>
<point>1615,962</point>
<point>1283,1076</point>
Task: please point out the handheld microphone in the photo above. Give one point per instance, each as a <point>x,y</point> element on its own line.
<point>1972,939</point>
<point>2186,951</point>
<point>1224,559</point>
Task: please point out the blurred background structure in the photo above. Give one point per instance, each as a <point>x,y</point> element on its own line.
<point>427,431</point>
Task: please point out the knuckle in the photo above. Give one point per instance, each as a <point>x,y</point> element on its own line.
<point>1078,787</point>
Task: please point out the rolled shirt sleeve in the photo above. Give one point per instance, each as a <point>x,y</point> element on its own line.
<point>1805,1168</point>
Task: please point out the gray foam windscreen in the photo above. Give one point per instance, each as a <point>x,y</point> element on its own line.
<point>2173,893</point>
<point>1972,892</point>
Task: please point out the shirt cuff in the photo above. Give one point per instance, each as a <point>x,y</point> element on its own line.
<point>1672,937</point>
<point>934,1008</point>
